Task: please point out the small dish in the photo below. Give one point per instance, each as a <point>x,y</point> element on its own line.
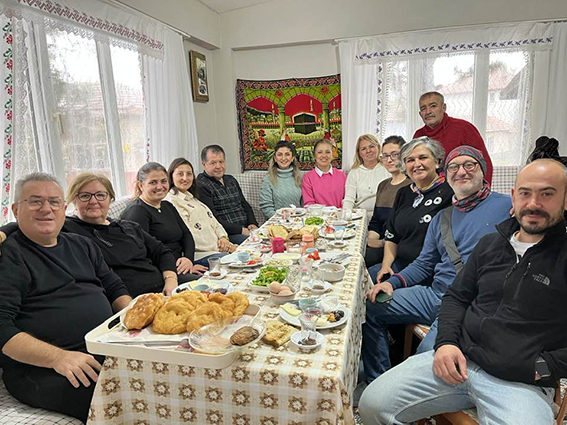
<point>216,274</point>
<point>318,287</point>
<point>293,256</point>
<point>202,287</point>
<point>338,223</point>
<point>338,244</point>
<point>298,339</point>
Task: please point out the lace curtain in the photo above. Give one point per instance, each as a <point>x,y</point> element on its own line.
<point>73,95</point>
<point>488,74</point>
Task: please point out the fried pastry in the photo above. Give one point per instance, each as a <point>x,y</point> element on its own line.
<point>244,335</point>
<point>206,314</point>
<point>241,303</point>
<point>172,317</point>
<point>142,313</point>
<point>224,301</point>
<point>193,298</point>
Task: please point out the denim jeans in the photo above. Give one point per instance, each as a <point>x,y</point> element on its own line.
<point>237,238</point>
<point>416,304</point>
<point>411,391</point>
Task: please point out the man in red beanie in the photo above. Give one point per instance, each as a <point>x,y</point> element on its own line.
<point>450,132</point>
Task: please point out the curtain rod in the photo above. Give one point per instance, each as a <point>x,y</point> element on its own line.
<point>542,21</point>
<point>129,8</point>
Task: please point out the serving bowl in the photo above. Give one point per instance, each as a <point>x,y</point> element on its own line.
<point>332,272</point>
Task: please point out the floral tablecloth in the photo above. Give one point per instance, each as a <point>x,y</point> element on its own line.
<point>265,385</point>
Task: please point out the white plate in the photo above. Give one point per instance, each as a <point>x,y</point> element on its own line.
<point>326,285</point>
<point>219,334</point>
<point>204,280</point>
<point>294,320</point>
<point>293,256</point>
<point>258,288</point>
<point>230,258</point>
<point>241,265</point>
<point>338,244</point>
<point>357,215</point>
<point>293,212</point>
<point>222,275</point>
<point>349,234</point>
<point>330,210</point>
<point>296,338</point>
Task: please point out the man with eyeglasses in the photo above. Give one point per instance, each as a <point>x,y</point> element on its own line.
<point>476,210</point>
<point>450,132</point>
<point>501,343</point>
<point>54,288</point>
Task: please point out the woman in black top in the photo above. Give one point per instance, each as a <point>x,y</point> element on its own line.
<point>143,263</point>
<point>414,206</point>
<point>161,220</point>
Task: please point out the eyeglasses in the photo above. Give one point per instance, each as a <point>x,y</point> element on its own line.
<point>36,202</point>
<point>467,166</point>
<point>87,196</point>
<point>393,156</point>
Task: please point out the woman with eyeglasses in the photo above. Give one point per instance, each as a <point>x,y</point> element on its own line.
<point>385,195</point>
<point>160,219</point>
<point>143,263</point>
<point>365,175</point>
<point>414,206</point>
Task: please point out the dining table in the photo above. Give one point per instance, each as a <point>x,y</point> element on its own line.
<point>264,385</point>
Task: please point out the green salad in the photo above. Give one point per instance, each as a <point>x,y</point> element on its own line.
<point>316,221</point>
<point>269,274</point>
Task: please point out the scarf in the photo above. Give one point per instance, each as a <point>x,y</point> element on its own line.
<point>470,202</point>
<point>419,198</point>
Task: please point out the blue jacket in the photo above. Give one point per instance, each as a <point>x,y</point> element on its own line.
<point>468,227</point>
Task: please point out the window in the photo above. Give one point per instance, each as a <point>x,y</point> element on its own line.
<point>85,109</point>
<point>488,89</point>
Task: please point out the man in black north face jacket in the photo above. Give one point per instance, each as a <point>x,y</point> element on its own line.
<point>502,340</point>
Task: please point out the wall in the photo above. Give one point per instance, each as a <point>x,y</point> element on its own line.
<point>189,16</point>
<point>205,112</point>
<point>252,38</point>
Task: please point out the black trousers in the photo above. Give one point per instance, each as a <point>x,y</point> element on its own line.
<point>45,388</point>
<point>373,256</point>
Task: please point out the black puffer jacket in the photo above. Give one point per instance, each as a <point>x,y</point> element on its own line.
<point>503,314</point>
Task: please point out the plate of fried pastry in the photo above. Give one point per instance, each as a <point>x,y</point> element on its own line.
<point>155,318</point>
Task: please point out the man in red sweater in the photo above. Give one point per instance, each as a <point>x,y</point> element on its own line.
<point>450,132</point>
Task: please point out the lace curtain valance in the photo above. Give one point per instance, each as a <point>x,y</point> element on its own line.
<point>419,44</point>
<point>92,19</point>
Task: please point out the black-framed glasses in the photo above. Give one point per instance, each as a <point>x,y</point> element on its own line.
<point>393,156</point>
<point>87,196</point>
<point>467,166</point>
<point>36,202</point>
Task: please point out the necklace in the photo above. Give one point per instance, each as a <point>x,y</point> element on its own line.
<point>151,205</point>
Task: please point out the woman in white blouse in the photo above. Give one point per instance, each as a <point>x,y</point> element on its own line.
<point>365,175</point>
<point>210,237</point>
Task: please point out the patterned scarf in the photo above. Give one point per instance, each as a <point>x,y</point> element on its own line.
<point>470,202</point>
<point>419,198</point>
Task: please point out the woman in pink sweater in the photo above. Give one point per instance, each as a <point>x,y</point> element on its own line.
<point>324,184</point>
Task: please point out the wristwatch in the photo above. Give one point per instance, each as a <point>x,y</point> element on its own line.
<point>541,369</point>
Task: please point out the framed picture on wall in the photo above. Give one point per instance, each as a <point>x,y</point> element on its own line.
<point>199,80</point>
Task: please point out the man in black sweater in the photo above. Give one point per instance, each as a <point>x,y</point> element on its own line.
<point>501,344</point>
<point>54,288</point>
<point>223,195</point>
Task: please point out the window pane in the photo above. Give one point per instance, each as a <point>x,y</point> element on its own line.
<point>129,96</point>
<point>396,101</point>
<point>79,106</point>
<point>454,77</point>
<point>507,88</point>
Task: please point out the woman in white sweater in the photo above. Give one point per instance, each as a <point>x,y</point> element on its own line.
<point>210,237</point>
<point>365,175</point>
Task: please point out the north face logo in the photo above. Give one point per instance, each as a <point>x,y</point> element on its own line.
<point>541,278</point>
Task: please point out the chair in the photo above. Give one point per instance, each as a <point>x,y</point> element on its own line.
<point>468,417</point>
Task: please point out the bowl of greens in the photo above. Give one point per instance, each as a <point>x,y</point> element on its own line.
<point>267,275</point>
<point>313,221</point>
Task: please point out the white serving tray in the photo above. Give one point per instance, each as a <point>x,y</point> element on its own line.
<point>158,354</point>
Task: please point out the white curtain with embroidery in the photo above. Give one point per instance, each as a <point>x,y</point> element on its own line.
<point>170,116</point>
<point>490,75</point>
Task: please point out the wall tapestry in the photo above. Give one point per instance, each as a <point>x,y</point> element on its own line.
<point>300,110</point>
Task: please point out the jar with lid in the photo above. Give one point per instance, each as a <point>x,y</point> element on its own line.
<point>307,241</point>
<point>277,245</point>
